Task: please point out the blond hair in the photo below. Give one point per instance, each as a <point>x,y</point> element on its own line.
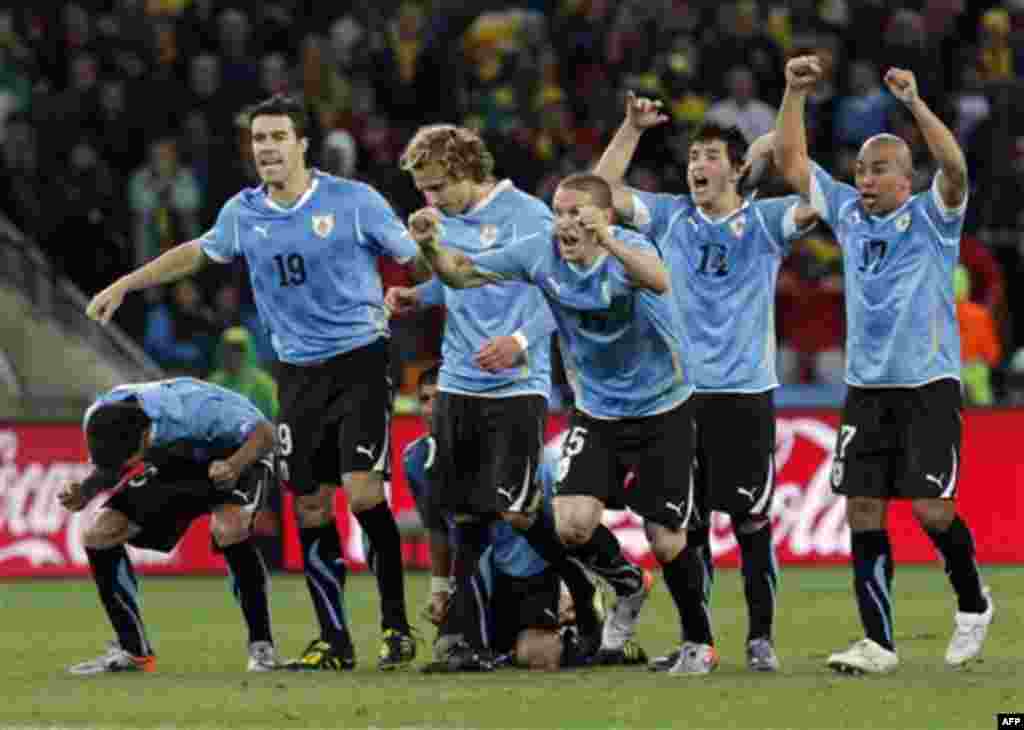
<point>459,151</point>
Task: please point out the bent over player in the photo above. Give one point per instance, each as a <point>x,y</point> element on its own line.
<point>173,450</point>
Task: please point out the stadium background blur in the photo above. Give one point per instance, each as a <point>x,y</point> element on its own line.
<point>122,132</point>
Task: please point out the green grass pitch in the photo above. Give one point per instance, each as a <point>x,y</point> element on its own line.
<point>201,682</point>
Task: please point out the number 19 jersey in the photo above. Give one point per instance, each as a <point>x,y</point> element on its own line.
<point>313,265</point>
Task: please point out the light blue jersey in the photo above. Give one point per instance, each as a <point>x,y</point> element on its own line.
<point>898,271</point>
<point>620,344</point>
<point>313,266</point>
<point>210,418</point>
<point>723,277</point>
<point>474,316</point>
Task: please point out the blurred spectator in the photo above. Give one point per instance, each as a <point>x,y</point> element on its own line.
<point>823,101</point>
<point>83,204</point>
<point>239,74</point>
<point>738,40</point>
<point>339,154</point>
<point>239,371</point>
<point>811,313</point>
<point>980,349</point>
<point>23,187</point>
<point>181,333</point>
<point>742,108</point>
<point>327,92</point>
<point>995,60</point>
<point>165,200</point>
<point>865,111</point>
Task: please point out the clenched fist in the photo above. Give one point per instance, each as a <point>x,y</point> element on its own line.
<point>902,84</point>
<point>71,497</point>
<point>803,72</point>
<point>401,300</point>
<point>424,225</point>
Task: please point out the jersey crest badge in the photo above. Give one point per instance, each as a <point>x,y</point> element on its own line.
<point>738,225</point>
<point>903,222</point>
<point>323,225</point>
<point>488,235</point>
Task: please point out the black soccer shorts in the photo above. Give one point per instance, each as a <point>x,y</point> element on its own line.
<point>658,449</point>
<point>900,443</point>
<point>487,453</point>
<point>735,452</point>
<point>335,418</point>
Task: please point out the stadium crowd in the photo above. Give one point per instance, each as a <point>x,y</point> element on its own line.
<point>122,132</point>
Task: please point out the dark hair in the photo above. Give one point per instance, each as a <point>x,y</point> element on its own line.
<point>429,376</point>
<point>281,105</point>
<point>735,142</point>
<point>114,432</point>
<point>587,182</point>
<point>461,152</point>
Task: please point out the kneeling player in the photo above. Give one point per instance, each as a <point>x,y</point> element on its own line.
<point>173,450</point>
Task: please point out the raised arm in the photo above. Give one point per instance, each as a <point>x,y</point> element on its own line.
<point>941,142</point>
<point>641,115</point>
<point>454,268</point>
<point>181,261</point>
<point>791,156</point>
<point>643,268</point>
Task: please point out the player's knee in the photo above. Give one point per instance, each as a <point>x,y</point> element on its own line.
<point>539,649</point>
<point>228,527</point>
<point>744,524</point>
<point>934,515</point>
<point>315,510</point>
<point>667,545</point>
<point>865,513</point>
<point>365,490</point>
<point>107,530</point>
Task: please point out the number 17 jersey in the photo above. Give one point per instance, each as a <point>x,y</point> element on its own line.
<point>313,266</point>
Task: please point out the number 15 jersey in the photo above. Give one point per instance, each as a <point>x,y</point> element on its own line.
<point>313,266</point>
<point>898,272</point>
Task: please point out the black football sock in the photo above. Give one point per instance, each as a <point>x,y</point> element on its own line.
<point>687,581</point>
<point>957,549</point>
<point>872,583</point>
<point>469,619</point>
<point>119,592</point>
<point>760,579</point>
<point>249,582</point>
<point>325,577</point>
<point>382,532</point>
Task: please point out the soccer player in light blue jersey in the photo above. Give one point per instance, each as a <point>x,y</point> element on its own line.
<point>173,450</point>
<point>723,253</point>
<point>311,242</point>
<point>901,428</point>
<point>495,375</point>
<point>618,330</point>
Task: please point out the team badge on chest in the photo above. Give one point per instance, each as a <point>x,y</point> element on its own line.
<point>903,222</point>
<point>738,225</point>
<point>323,225</point>
<point>488,235</point>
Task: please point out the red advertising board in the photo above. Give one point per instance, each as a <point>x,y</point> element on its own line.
<point>38,538</point>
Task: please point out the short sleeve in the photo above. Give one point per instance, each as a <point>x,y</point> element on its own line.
<point>520,259</point>
<point>616,267</point>
<point>379,228</point>
<point>652,212</point>
<point>220,243</point>
<point>948,222</point>
<point>778,217</point>
<point>828,195</point>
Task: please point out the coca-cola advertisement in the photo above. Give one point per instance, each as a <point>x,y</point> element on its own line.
<point>39,538</point>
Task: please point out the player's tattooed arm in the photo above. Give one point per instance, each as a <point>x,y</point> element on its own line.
<point>940,140</point>
<point>790,142</point>
<point>452,267</point>
<point>641,115</point>
<point>643,268</point>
